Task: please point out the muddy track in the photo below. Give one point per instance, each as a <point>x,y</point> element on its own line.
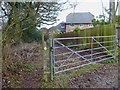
<point>32,80</point>
<point>104,77</point>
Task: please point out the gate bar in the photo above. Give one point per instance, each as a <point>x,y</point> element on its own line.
<point>82,61</point>
<point>101,45</point>
<point>83,50</point>
<point>83,37</point>
<point>83,44</point>
<point>81,65</point>
<point>79,57</point>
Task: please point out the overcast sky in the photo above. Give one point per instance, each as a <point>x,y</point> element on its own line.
<point>92,6</point>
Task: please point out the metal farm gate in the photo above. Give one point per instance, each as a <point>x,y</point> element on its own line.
<point>75,52</point>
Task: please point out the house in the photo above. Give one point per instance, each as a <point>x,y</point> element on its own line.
<point>58,28</point>
<point>81,20</point>
<point>61,27</point>
<point>73,20</point>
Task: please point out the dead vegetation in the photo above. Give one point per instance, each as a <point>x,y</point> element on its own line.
<point>19,61</point>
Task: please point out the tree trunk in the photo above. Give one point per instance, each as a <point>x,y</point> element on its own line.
<point>112,11</point>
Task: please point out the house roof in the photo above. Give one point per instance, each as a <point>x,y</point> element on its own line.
<point>84,17</point>
<point>61,26</point>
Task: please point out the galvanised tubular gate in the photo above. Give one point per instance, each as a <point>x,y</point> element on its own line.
<point>65,57</point>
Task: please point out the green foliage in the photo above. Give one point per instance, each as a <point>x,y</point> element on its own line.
<point>77,29</point>
<point>16,67</point>
<point>95,22</point>
<point>100,21</point>
<point>110,61</point>
<point>28,67</point>
<point>117,19</point>
<point>31,35</point>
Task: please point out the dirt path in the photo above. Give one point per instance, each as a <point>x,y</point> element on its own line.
<point>104,77</point>
<point>32,80</point>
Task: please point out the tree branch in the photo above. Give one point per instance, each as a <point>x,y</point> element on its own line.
<point>117,6</point>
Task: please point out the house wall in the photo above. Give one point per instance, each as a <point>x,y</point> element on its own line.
<point>70,28</point>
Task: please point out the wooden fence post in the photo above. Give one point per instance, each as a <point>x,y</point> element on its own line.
<point>1,59</point>
<point>115,42</point>
<point>43,40</point>
<point>118,35</point>
<point>44,78</point>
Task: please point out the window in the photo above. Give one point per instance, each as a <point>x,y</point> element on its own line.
<point>62,26</point>
<point>81,25</point>
<point>90,25</point>
<point>71,24</point>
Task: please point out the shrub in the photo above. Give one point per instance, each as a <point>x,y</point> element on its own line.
<point>30,36</point>
<point>77,29</point>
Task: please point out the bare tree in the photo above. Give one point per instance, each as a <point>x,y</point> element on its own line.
<point>21,16</point>
<point>113,10</point>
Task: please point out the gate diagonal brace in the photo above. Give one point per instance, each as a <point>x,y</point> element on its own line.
<point>62,54</point>
<point>72,51</point>
<point>68,57</point>
<point>102,46</point>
